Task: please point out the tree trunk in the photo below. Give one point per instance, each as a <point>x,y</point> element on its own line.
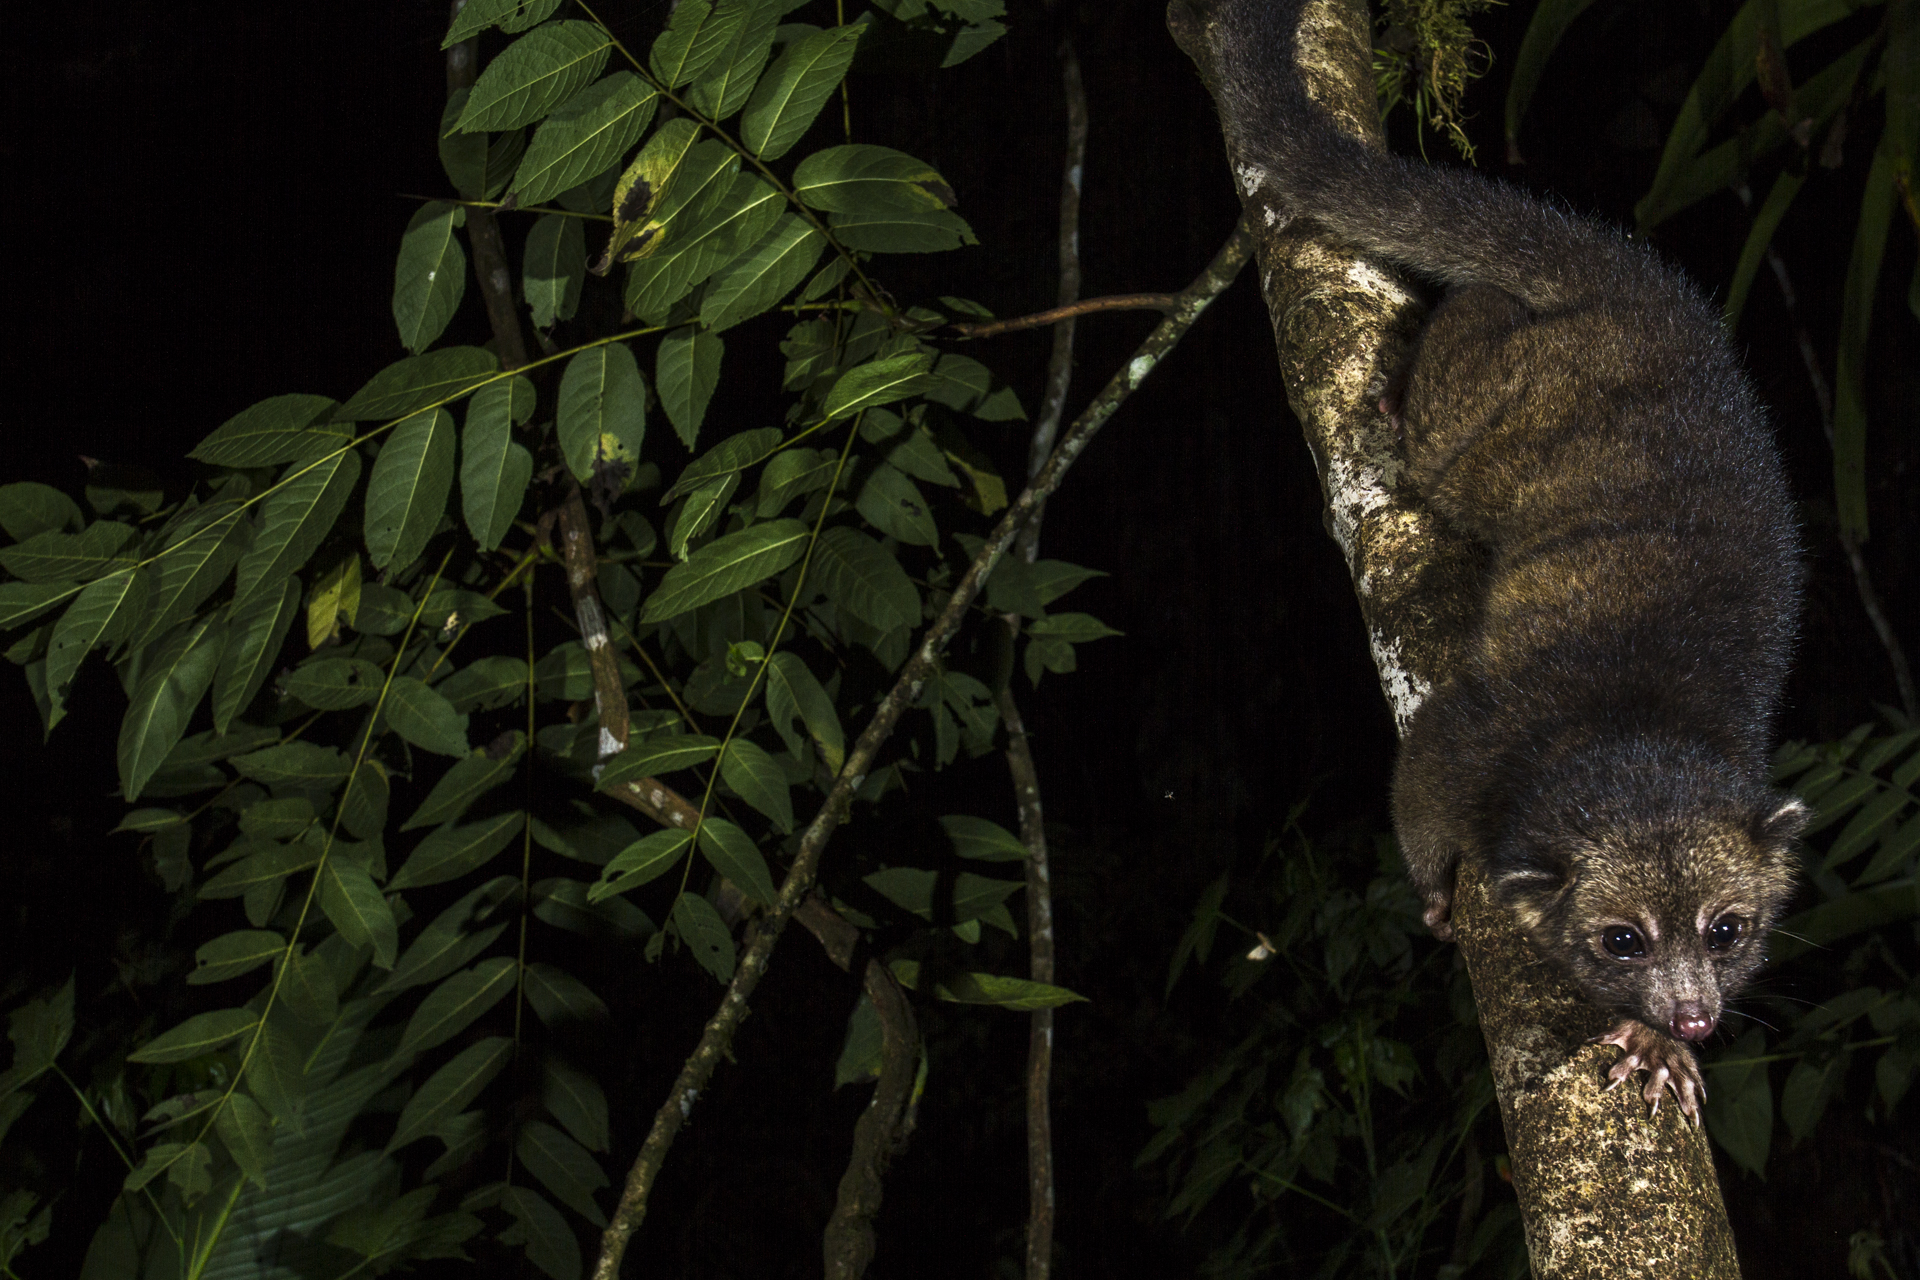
<point>1604,1190</point>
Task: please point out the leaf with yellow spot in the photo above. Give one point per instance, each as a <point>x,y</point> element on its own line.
<point>335,603</point>
<point>638,195</point>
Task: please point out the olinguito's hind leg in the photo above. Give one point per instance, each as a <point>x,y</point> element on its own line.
<point>1427,808</point>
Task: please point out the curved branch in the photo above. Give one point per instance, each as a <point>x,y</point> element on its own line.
<point>718,1035</point>
<point>1054,315</point>
<point>1604,1191</point>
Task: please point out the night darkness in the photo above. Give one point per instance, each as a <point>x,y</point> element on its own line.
<point>203,204</point>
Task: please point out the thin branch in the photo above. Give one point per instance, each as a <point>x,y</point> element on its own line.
<point>1823,397</point>
<point>1041,1204</point>
<point>1041,319</point>
<point>718,1035</point>
<point>880,1134</point>
<point>483,230</point>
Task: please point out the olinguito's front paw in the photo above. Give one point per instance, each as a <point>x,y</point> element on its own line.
<point>1668,1064</point>
<point>1439,915</point>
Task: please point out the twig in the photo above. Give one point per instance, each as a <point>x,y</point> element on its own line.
<point>880,1134</point>
<point>1020,765</point>
<point>1823,398</point>
<point>483,230</point>
<point>718,1035</point>
<point>1040,319</point>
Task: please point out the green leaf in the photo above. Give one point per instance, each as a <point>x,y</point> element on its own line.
<point>419,382</point>
<point>276,1075</point>
<point>964,384</point>
<point>551,1244</point>
<point>266,866</point>
<point>486,684</point>
<point>451,852</point>
<point>584,137</point>
<point>555,268</point>
<point>910,447</point>
<point>336,684</point>
<point>1856,319</point>
<point>698,512</point>
<point>1074,628</point>
<point>286,818</point>
<point>724,88</point>
<point>981,840</point>
<point>254,637</point>
<point>452,1006</point>
<point>726,565</point>
<point>456,936</point>
<point>764,275</point>
<point>297,516</point>
<point>363,809</point>
<point>791,473</point>
<point>859,576</point>
<point>912,888</point>
<point>567,904</point>
<point>462,155</point>
<point>699,926</point>
<point>354,904</point>
<point>685,375</point>
<point>171,686</point>
<point>200,553</point>
<point>39,1030</point>
<point>865,179</point>
<point>197,1036</point>
<point>1810,1086</point>
<point>103,612</point>
<point>27,508</point>
<point>247,1135</point>
<point>1019,994</point>
<point>424,718</point>
<point>98,549</point>
<point>696,34</point>
<point>734,855</point>
<point>448,1090</point>
<point>408,492</point>
<point>304,765</point>
<point>21,601</point>
<point>466,781</point>
<point>735,453</point>
<point>511,16</point>
<point>430,277</point>
<point>278,429</point>
<point>534,74</point>
<point>562,1165</point>
<point>878,382</point>
<point>1739,1108</point>
<point>643,860</point>
<point>656,756</point>
<point>694,247</point>
<point>232,954</point>
<point>576,1100</point>
<point>1550,20</point>
<point>752,773</point>
<point>892,503</point>
<point>308,990</point>
<point>603,409</point>
<point>899,231</point>
<point>560,999</point>
<point>792,692</point>
<point>794,89</point>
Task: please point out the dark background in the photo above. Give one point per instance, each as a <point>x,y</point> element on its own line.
<point>203,205</point>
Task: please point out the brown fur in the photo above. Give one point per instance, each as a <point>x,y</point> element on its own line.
<point>1573,404</point>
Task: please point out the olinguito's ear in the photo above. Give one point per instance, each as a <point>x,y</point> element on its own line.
<point>1787,820</point>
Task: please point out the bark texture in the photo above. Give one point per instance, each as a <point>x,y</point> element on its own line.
<point>1604,1190</point>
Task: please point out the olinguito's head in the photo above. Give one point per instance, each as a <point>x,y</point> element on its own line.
<point>1652,875</point>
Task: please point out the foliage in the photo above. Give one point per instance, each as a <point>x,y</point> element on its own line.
<point>1326,1115</point>
<point>407,791</point>
<point>1852,1031</point>
<point>1426,56</point>
<point>1803,126</point>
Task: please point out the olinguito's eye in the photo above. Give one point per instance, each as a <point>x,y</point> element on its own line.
<point>1622,942</point>
<point>1724,932</point>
